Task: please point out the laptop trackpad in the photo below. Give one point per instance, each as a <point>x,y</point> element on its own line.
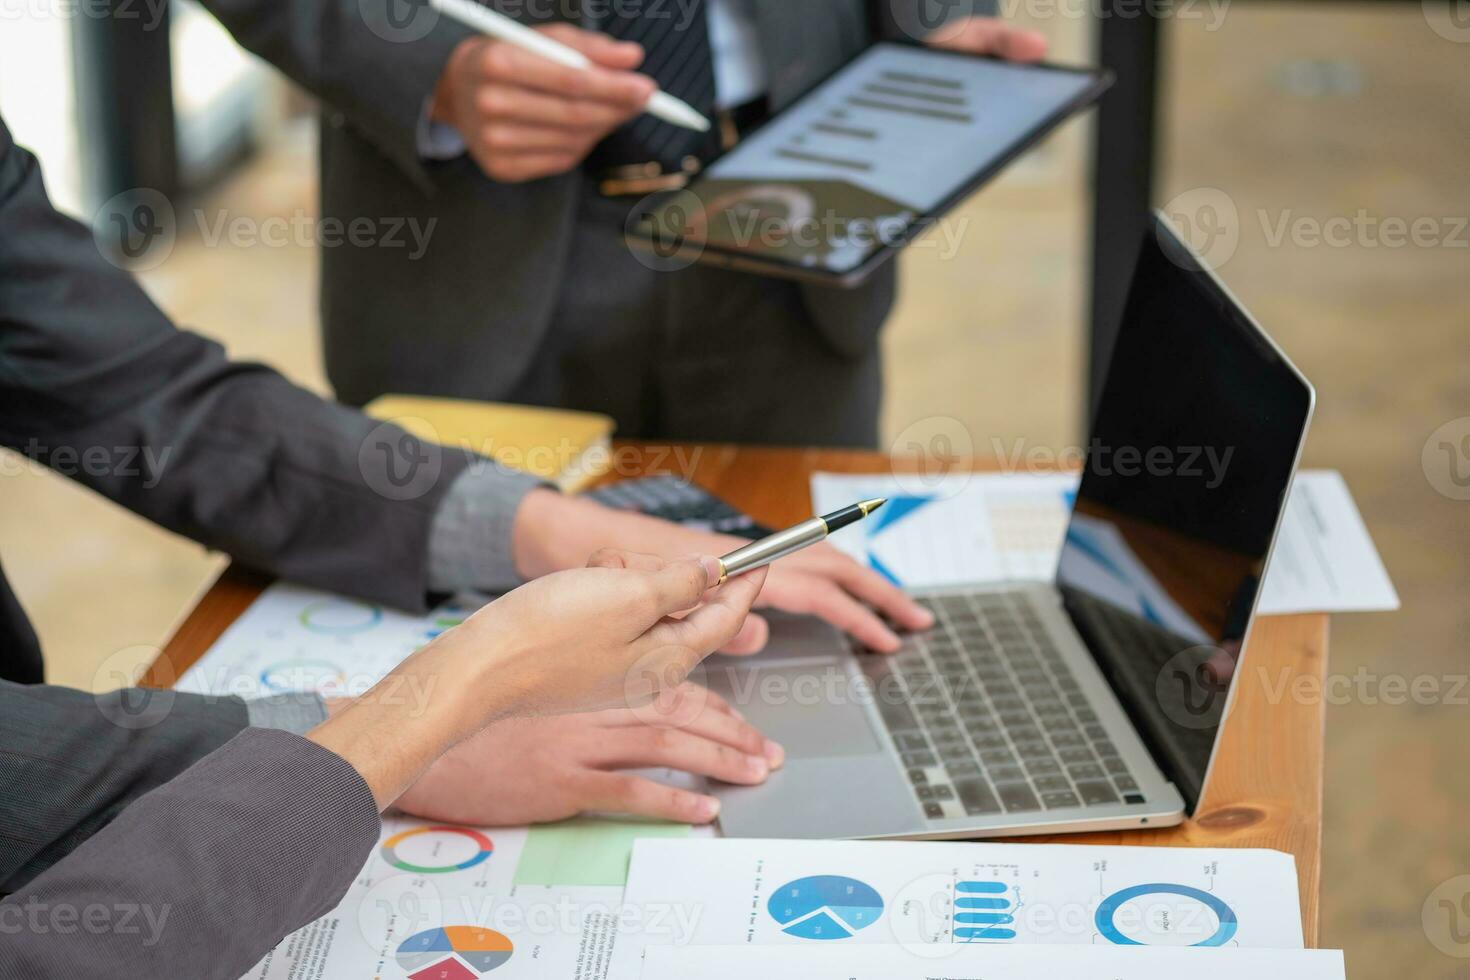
<point>810,707</point>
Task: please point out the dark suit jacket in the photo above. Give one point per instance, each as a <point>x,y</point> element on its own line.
<point>201,875</point>
<point>466,317</point>
<point>98,384</point>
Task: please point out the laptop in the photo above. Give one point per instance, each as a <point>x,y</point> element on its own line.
<point>1091,702</point>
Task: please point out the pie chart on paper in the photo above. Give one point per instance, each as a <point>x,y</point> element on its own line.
<point>825,907</point>
<point>453,953</point>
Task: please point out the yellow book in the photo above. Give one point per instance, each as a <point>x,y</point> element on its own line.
<point>571,449</point>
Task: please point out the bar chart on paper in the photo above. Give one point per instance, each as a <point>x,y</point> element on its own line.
<point>983,911</point>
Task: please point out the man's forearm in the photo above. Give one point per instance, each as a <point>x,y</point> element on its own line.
<point>358,56</point>
<point>93,755</point>
<point>229,454</point>
<point>216,867</point>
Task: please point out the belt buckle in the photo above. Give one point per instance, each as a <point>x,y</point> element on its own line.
<point>647,178</point>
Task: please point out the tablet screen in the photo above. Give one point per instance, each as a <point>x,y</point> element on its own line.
<point>862,159</point>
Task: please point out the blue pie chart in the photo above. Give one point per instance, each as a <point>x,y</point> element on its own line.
<point>825,907</point>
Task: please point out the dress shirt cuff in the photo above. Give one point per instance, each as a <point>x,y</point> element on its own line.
<point>437,141</point>
<point>294,713</point>
<point>470,539</point>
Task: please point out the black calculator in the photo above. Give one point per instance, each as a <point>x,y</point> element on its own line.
<point>682,502</point>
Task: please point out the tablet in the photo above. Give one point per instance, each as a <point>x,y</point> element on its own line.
<point>832,187</point>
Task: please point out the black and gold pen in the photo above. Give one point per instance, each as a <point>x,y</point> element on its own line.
<point>793,539</point>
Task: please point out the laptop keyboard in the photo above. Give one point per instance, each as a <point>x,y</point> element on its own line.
<point>988,718</point>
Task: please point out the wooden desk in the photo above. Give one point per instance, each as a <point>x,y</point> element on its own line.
<point>1266,790</point>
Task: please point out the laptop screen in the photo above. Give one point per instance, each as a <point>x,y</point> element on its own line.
<point>1195,439</point>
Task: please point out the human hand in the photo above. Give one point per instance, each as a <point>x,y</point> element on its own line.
<point>536,770</point>
<point>990,36</point>
<point>615,634</point>
<point>523,117</point>
<point>553,532</point>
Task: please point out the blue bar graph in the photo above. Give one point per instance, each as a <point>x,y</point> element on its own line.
<point>982,910</point>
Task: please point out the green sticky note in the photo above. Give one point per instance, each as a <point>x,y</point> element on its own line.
<point>586,850</point>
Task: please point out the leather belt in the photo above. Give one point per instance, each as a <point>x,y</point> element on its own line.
<point>639,179</point>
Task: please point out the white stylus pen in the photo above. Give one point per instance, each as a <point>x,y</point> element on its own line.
<point>497,25</point>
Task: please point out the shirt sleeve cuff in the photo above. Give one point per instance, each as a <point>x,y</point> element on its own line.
<point>470,538</point>
<point>436,140</point>
<point>294,713</point>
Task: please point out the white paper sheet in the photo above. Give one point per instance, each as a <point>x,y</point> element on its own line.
<point>298,639</point>
<point>995,527</point>
<point>932,893</point>
<point>433,902</point>
<point>839,962</point>
<point>436,902</point>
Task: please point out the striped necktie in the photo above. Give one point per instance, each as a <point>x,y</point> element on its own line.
<point>675,39</point>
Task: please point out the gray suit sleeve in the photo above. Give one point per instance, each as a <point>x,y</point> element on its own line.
<point>98,384</point>
<point>202,876</point>
<point>375,61</point>
<point>70,762</point>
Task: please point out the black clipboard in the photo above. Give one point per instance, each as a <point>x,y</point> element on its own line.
<point>737,223</point>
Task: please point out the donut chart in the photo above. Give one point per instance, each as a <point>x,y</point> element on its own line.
<point>303,674</point>
<point>1107,914</point>
<point>443,849</point>
<point>340,617</point>
<point>453,953</point>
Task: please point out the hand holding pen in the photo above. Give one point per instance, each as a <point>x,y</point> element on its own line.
<point>533,102</point>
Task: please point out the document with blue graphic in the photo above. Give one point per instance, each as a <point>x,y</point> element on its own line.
<point>839,962</point>
<point>931,895</point>
<point>966,528</point>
